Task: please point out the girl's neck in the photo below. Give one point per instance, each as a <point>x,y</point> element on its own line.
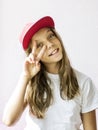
<point>52,69</point>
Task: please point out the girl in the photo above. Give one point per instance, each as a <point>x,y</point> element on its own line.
<point>58,97</point>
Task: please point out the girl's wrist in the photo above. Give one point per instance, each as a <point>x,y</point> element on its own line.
<point>25,76</point>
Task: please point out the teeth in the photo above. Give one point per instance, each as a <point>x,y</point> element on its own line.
<point>54,52</point>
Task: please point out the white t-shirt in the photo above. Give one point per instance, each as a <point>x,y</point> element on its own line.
<point>64,114</point>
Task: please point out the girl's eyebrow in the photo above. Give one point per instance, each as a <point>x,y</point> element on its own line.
<point>49,30</point>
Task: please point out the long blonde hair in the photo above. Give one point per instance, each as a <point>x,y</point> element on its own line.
<point>40,94</point>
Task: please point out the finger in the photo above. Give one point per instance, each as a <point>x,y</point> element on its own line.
<point>39,56</point>
<point>31,57</point>
<point>37,63</point>
<point>34,47</point>
<point>28,61</point>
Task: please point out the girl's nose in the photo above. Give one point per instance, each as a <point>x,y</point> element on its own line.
<point>49,45</point>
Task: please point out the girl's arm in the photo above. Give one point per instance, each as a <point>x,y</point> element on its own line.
<point>89,120</point>
<point>16,103</point>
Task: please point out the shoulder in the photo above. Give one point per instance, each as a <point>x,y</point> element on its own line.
<point>81,77</point>
<point>83,80</point>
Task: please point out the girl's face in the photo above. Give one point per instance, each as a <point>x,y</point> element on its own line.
<point>53,52</point>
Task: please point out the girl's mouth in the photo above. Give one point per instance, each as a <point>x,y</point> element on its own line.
<point>54,52</point>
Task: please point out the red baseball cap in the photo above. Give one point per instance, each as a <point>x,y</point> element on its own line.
<point>31,28</point>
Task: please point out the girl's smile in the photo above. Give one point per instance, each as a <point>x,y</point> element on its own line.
<point>54,52</point>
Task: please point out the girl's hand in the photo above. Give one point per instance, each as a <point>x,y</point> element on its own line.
<point>32,62</point>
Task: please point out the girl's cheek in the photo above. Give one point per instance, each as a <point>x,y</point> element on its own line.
<point>37,51</point>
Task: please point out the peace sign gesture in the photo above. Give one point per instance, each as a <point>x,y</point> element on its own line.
<point>32,62</point>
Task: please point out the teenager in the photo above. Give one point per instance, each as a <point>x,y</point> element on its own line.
<point>58,96</point>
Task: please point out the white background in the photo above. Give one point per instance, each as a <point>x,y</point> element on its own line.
<point>77,23</point>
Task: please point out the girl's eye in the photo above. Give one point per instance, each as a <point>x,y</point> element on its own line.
<point>39,45</point>
<point>52,35</point>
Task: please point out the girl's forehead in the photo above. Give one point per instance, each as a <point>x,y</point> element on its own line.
<point>42,32</point>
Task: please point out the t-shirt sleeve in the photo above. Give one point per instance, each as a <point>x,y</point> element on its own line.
<point>89,96</point>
